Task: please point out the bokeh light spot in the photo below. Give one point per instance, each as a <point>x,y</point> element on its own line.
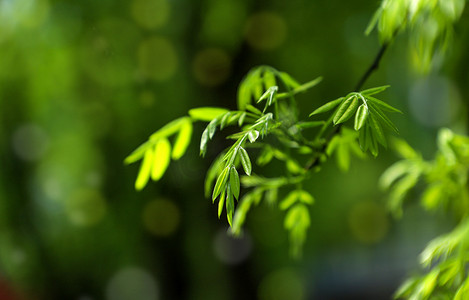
<point>161,217</point>
<point>434,101</point>
<point>368,222</point>
<point>86,207</point>
<point>265,31</point>
<point>150,14</point>
<point>157,59</point>
<point>132,283</point>
<point>211,66</point>
<point>30,142</point>
<point>232,250</point>
<point>280,285</point>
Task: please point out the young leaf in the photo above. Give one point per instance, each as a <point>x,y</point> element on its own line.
<point>327,107</point>
<point>203,142</point>
<point>378,113</point>
<point>269,79</point>
<point>360,116</point>
<point>255,83</point>
<point>377,131</point>
<point>137,153</point>
<point>234,182</point>
<point>161,158</point>
<point>304,125</point>
<point>375,90</point>
<point>253,109</point>
<point>206,114</point>
<point>183,140</point>
<point>145,169</point>
<point>253,135</point>
<point>244,95</point>
<point>221,203</point>
<point>288,80</point>
<point>346,110</point>
<point>229,205</point>
<point>289,200</point>
<point>167,130</point>
<point>245,161</point>
<point>383,105</point>
<point>221,182</point>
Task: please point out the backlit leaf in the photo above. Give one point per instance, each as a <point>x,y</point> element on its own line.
<point>221,182</point>
<point>374,90</point>
<point>253,135</point>
<point>183,140</point>
<point>360,116</point>
<point>229,206</point>
<point>206,114</point>
<point>327,107</point>
<point>161,158</point>
<point>245,161</point>
<point>145,170</point>
<point>346,110</point>
<point>234,181</point>
<point>138,153</point>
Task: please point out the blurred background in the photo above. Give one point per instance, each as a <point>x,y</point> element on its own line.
<point>83,83</point>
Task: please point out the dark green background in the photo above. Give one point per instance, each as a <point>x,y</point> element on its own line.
<point>83,83</point>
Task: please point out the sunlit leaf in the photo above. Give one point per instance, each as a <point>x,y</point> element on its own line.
<point>244,95</point>
<point>289,81</point>
<point>269,79</point>
<point>253,109</point>
<point>375,90</point>
<point>229,206</point>
<point>360,116</point>
<point>245,161</point>
<point>221,182</point>
<point>183,140</point>
<point>253,135</point>
<point>215,169</point>
<point>145,170</point>
<point>327,107</point>
<point>383,105</point>
<point>206,114</point>
<point>203,142</point>
<point>161,159</point>
<point>346,110</point>
<point>168,129</point>
<point>289,200</point>
<point>221,203</point>
<point>138,153</point>
<point>234,182</point>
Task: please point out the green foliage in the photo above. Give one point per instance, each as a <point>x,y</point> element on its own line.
<point>430,23</point>
<point>278,120</point>
<point>445,180</point>
<point>369,117</point>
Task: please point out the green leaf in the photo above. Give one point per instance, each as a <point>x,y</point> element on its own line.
<point>234,182</point>
<point>383,105</point>
<point>253,135</point>
<point>229,206</point>
<point>221,182</point>
<point>289,200</point>
<point>327,107</point>
<point>215,169</point>
<point>346,110</point>
<point>183,140</point>
<point>245,161</point>
<point>255,83</point>
<point>253,109</point>
<point>269,79</point>
<point>168,129</point>
<point>206,114</point>
<point>307,85</point>
<point>288,80</point>
<point>375,90</point>
<point>203,142</point>
<point>304,125</point>
<point>377,131</point>
<point>374,21</point>
<point>241,119</point>
<point>244,95</point>
<point>145,169</point>
<point>161,158</point>
<point>382,117</point>
<point>360,116</point>
<point>138,153</point>
<point>305,197</point>
<point>221,203</point>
